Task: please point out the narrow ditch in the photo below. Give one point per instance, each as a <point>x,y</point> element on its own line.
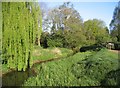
<point>17,78</point>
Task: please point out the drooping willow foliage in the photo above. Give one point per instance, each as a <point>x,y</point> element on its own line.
<point>21,25</point>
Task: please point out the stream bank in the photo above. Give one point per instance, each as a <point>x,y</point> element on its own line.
<point>17,78</point>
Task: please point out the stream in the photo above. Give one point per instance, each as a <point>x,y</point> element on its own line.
<point>17,78</point>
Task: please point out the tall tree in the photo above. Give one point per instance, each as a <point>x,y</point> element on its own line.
<point>66,27</point>
<point>64,17</point>
<point>93,30</point>
<point>0,29</point>
<point>19,32</point>
<point>115,24</point>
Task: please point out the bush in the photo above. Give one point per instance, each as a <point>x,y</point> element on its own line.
<point>74,39</point>
<point>57,73</point>
<point>55,42</point>
<point>65,39</point>
<point>43,40</point>
<point>117,46</point>
<point>94,47</point>
<point>52,40</point>
<point>82,69</point>
<point>96,67</point>
<point>112,78</point>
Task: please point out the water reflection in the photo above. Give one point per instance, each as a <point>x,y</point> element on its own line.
<point>15,78</point>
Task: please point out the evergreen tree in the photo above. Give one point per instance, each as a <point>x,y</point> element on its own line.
<point>115,24</point>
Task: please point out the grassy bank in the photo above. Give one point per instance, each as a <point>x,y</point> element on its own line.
<point>49,53</point>
<point>40,54</point>
<point>82,69</point>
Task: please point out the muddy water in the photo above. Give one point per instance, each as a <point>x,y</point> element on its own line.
<point>15,78</point>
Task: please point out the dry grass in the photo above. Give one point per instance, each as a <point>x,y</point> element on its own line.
<point>115,51</point>
<point>56,51</point>
<point>36,52</point>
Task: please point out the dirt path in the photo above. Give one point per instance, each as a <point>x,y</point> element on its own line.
<point>43,61</point>
<point>115,51</point>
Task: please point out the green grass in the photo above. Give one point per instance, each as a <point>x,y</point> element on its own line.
<point>82,69</point>
<point>5,68</point>
<point>45,54</point>
<point>96,68</point>
<point>57,73</point>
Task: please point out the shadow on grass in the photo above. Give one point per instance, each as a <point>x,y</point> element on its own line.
<point>112,78</point>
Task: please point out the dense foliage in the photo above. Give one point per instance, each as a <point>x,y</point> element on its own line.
<point>19,32</point>
<point>82,69</point>
<point>65,24</point>
<point>76,38</point>
<point>55,39</point>
<point>96,32</point>
<point>95,68</point>
<point>69,31</point>
<point>115,24</point>
<point>56,73</point>
<point>63,27</point>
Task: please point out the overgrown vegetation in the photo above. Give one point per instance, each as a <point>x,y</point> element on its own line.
<point>65,34</point>
<point>92,70</point>
<point>115,24</point>
<point>39,54</point>
<point>69,30</point>
<point>86,69</point>
<point>56,73</point>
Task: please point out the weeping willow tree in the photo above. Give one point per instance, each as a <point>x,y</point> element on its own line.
<point>38,22</point>
<point>20,28</point>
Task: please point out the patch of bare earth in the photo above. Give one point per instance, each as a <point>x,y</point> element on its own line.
<point>115,51</point>
<point>36,53</point>
<point>56,51</point>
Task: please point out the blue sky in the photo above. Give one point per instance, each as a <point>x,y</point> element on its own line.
<point>91,10</point>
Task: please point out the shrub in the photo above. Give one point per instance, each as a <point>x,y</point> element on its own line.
<point>94,47</point>
<point>117,46</point>
<point>111,78</point>
<point>96,67</point>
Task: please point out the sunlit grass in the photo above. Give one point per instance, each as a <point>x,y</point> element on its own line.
<point>66,71</point>
<point>57,73</point>
<point>44,54</point>
<point>49,53</point>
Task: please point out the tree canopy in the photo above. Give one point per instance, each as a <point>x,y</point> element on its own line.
<point>95,31</point>
<point>115,24</point>
<point>20,27</point>
<point>68,29</point>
